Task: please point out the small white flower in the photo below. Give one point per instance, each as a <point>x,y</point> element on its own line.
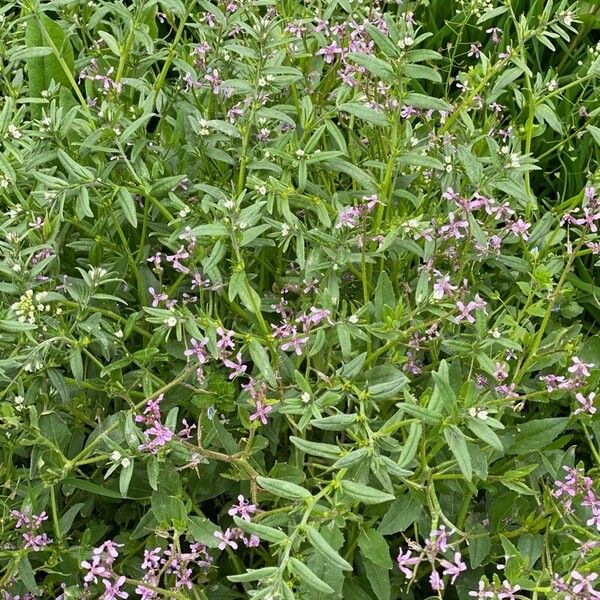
<point>305,397</point>
<point>353,319</point>
<point>16,134</point>
<point>300,153</point>
<point>170,321</point>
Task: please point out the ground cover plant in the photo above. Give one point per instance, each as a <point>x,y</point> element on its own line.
<point>299,299</point>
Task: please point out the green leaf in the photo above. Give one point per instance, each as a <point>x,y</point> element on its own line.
<point>92,488</point>
<point>374,547</point>
<point>543,112</point>
<point>319,543</point>
<point>360,111</point>
<point>307,576</point>
<point>485,433</point>
<point>402,513</point>
<point>76,364</point>
<point>458,446</point>
<point>125,478</point>
<point>443,395</point>
<point>27,576</point>
<point>379,578</point>
<point>283,489</point>
<point>254,575</point>
<point>16,326</point>
<point>422,72</point>
<point>66,520</point>
<point>264,532</point>
<point>375,66</point>
<point>260,358</point>
<point>364,493</point>
<point>426,102</point>
<point>338,422</point>
<point>127,205</point>
<point>316,448</point>
<point>153,469</point>
<point>41,70</point>
<point>203,530</point>
<point>167,509</point>
<point>533,435</point>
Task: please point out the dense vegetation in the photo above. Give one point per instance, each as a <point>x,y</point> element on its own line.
<point>298,299</point>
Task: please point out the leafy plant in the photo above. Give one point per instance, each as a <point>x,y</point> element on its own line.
<point>299,300</point>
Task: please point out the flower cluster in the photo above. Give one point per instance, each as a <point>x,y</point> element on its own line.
<point>31,524</point>
<point>577,485</point>
<point>436,551</point>
<point>157,434</point>
<point>245,510</point>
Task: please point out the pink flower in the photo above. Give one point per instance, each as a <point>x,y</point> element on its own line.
<point>465,312</point>
<point>295,343</point>
<point>329,52</point>
<point>494,31</point>
<point>442,287</point>
<point>227,539</point>
<point>197,349</point>
<point>157,297</point>
<point>244,508</point>
<point>584,583</point>
<point>405,561</point>
<point>520,228</point>
<point>453,569</point>
<point>262,412</point>
<point>95,569</point>
<point>579,368</point>
<point>586,404</point>
<point>113,590</point>
<point>436,581</point>
<point>237,368</point>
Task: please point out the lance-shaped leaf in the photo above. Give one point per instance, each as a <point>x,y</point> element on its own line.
<point>283,489</point>
<point>364,493</point>
<point>307,576</point>
<point>320,544</point>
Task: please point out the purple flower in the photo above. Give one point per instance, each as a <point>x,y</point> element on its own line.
<point>262,412</point>
<point>295,343</point>
<point>453,569</point>
<point>465,312</point>
<point>95,569</point>
<point>151,558</point>
<point>197,349</point>
<point>482,592</point>
<point>227,539</point>
<point>157,297</point>
<point>406,563</point>
<point>583,583</point>
<point>225,340</point>
<point>21,517</point>
<point>237,368</point>
<point>113,590</point>
<point>586,404</point>
<point>436,581</point>
<point>348,217</point>
<point>520,228</point>
<point>244,508</point>
<point>36,541</point>
<point>156,436</point>
<point>442,287</point>
<point>329,52</point>
<point>579,368</point>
